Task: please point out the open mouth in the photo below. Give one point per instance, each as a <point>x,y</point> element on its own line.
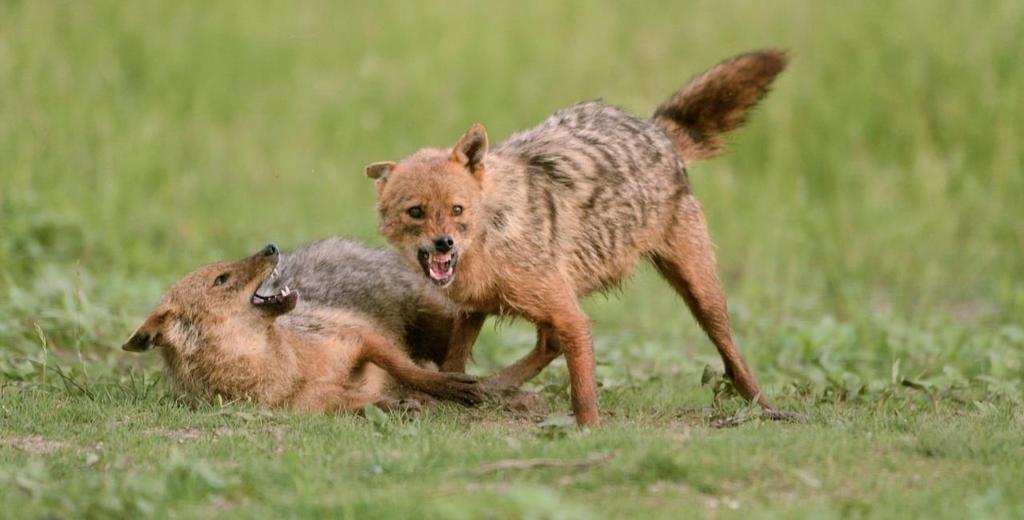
<point>439,267</point>
<point>278,300</point>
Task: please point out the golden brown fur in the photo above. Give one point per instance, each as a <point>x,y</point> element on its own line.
<point>216,340</point>
<point>568,208</point>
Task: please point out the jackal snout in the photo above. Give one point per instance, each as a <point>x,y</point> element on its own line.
<point>438,259</point>
<point>270,250</point>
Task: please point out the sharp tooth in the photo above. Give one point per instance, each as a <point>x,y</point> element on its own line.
<point>286,291</point>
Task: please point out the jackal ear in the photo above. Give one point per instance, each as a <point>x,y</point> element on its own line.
<point>148,335</point>
<point>379,170</point>
<point>471,148</point>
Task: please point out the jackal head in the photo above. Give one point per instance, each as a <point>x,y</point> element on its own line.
<point>214,302</point>
<point>428,203</point>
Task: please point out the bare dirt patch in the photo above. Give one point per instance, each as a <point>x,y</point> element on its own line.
<point>33,444</point>
<point>179,435</point>
<point>527,405</point>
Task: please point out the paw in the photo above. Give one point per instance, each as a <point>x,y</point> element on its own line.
<point>454,386</point>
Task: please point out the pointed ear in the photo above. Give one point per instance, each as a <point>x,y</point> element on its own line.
<point>379,170</point>
<point>148,335</point>
<point>471,148</point>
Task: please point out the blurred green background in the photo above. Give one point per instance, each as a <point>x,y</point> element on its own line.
<point>870,212</point>
<point>869,223</point>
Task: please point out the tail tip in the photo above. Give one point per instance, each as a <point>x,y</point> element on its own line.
<point>698,115</point>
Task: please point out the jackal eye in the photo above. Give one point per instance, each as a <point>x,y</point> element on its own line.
<point>456,210</point>
<point>415,212</point>
<point>220,280</point>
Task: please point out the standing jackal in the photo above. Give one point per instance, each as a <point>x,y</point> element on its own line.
<point>233,329</point>
<point>568,208</point>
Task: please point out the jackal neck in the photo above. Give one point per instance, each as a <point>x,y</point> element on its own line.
<point>473,288</point>
<point>478,279</point>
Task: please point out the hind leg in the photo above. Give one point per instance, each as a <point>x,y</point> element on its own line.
<point>687,261</point>
<point>512,377</point>
<point>376,349</point>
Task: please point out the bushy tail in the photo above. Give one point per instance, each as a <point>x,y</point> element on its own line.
<point>717,101</point>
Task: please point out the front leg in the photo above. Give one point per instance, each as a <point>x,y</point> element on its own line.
<point>552,303</point>
<point>572,328</point>
<point>464,333</point>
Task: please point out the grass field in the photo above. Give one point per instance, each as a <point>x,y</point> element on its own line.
<point>869,225</point>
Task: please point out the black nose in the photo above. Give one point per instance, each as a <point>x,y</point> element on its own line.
<point>443,244</point>
<point>270,250</point>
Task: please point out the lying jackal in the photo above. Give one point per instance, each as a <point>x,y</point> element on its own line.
<point>568,208</point>
<point>234,329</point>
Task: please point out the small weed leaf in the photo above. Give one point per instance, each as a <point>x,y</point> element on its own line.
<point>721,387</point>
<point>709,375</point>
<point>44,355</point>
<point>894,372</point>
